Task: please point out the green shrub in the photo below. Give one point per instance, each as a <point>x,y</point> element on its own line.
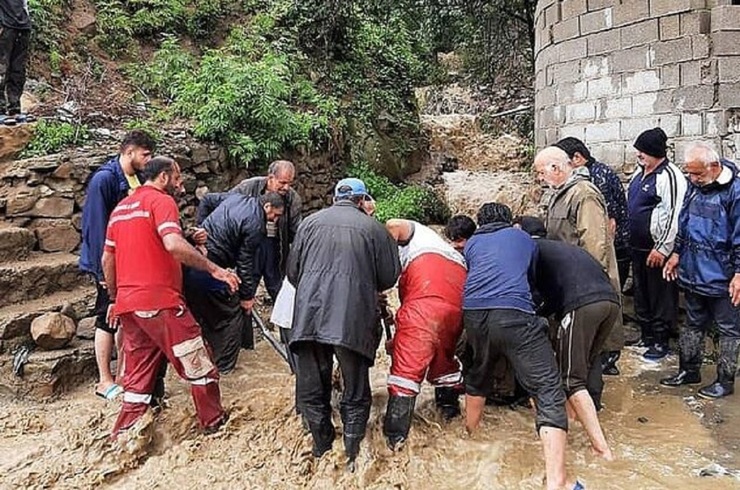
<point>413,202</point>
<point>48,17</point>
<point>52,136</point>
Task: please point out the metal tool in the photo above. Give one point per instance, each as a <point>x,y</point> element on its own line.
<point>275,343</point>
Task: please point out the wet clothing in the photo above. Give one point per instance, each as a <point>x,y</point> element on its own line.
<point>521,338</point>
<point>498,280</point>
<point>314,366</point>
<point>579,340</point>
<point>654,201</point>
<point>148,277</point>
<point>708,241</point>
<point>340,260</point>
<point>150,338</point>
<point>501,321</point>
<point>577,215</point>
<point>608,183</point>
<point>429,321</point>
<point>155,323</point>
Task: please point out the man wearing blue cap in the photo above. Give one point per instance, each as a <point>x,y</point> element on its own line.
<point>340,260</point>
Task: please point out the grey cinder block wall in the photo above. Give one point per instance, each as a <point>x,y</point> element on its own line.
<point>606,70</point>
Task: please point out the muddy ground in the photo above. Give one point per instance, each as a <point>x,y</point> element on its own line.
<point>658,436</point>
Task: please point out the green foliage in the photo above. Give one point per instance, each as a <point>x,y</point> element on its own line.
<point>52,136</point>
<point>48,18</point>
<point>147,126</point>
<point>413,202</point>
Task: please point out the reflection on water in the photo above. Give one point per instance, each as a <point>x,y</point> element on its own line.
<point>660,439</point>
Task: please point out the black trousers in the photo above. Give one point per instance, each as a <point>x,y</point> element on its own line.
<point>224,324</point>
<point>701,313</point>
<point>656,300</point>
<point>522,338</point>
<point>314,364</point>
<point>13,57</point>
<point>624,261</point>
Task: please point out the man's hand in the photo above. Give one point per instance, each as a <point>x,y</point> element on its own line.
<point>670,269</point>
<point>655,259</point>
<point>111,318</point>
<point>612,228</point>
<point>735,290</point>
<point>200,236</point>
<point>227,276</point>
<point>247,305</point>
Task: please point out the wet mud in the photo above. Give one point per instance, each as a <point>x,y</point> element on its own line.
<point>662,439</point>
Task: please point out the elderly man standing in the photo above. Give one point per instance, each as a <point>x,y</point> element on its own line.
<point>706,261</point>
<point>341,259</point>
<point>578,215</point>
<point>655,194</point>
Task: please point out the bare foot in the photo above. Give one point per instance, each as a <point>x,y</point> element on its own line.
<point>605,454</point>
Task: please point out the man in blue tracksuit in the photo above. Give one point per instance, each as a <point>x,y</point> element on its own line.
<point>656,191</point>
<point>499,319</point>
<point>105,189</point>
<point>706,262</point>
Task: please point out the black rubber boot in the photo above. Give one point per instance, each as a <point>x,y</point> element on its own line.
<point>726,367</point>
<point>397,422</point>
<point>352,447</point>
<point>323,436</point>
<point>447,401</point>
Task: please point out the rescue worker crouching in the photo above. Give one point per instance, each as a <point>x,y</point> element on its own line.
<point>428,326</point>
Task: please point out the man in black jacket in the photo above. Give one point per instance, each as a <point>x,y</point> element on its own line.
<point>15,35</point>
<point>340,260</point>
<point>574,288</point>
<point>236,230</point>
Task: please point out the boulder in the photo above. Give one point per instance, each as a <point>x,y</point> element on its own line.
<point>13,139</point>
<point>86,328</point>
<point>51,207</point>
<point>53,331</point>
<point>56,235</point>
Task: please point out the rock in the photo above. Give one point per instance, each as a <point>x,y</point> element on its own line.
<point>64,171</point>
<point>200,192</point>
<point>51,207</point>
<point>86,328</point>
<point>68,309</point>
<point>56,235</point>
<point>184,162</point>
<point>23,201</point>
<point>13,139</point>
<point>15,243</point>
<point>53,331</point>
<point>201,155</point>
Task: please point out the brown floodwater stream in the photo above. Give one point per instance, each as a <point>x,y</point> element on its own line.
<point>662,439</point>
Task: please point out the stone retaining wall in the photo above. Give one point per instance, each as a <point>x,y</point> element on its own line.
<point>606,70</point>
<point>46,194</point>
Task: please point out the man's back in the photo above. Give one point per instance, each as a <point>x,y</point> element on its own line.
<point>499,259</point>
<point>340,260</point>
<point>235,220</point>
<point>147,276</point>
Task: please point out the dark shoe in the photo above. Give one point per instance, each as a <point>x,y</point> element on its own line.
<point>717,390</point>
<point>447,401</point>
<point>609,363</point>
<point>323,437</point>
<point>397,421</point>
<point>656,352</point>
<point>682,378</point>
<point>352,446</point>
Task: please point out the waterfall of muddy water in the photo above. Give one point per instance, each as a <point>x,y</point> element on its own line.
<point>660,443</point>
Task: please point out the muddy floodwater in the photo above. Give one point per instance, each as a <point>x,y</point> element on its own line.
<point>662,438</point>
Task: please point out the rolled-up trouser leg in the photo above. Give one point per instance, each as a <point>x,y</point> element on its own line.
<point>691,339</point>
<point>313,378</point>
<point>356,398</point>
<point>143,359</point>
<point>528,349</point>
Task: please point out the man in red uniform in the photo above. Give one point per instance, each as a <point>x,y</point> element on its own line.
<point>144,250</point>
<point>428,325</point>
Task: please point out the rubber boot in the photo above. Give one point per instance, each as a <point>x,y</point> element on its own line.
<point>726,367</point>
<point>352,442</point>
<point>691,343</point>
<point>323,436</point>
<point>447,401</point>
<point>397,422</point>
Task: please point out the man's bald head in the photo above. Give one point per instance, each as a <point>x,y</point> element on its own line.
<point>552,166</point>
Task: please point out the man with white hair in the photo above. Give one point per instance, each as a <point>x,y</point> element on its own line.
<point>577,215</point>
<point>706,262</point>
